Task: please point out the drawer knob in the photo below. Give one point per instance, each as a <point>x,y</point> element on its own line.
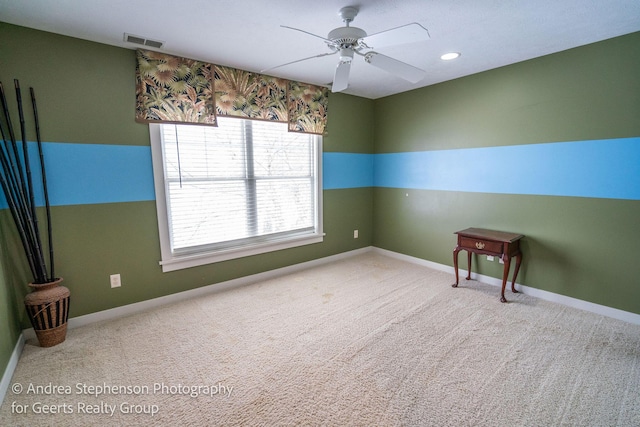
<point>480,245</point>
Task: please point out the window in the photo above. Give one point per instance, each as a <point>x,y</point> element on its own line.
<point>242,188</point>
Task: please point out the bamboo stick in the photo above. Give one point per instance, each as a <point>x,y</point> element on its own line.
<point>15,161</point>
<point>44,186</point>
<point>16,182</point>
<point>11,187</point>
<point>34,229</point>
<point>19,225</point>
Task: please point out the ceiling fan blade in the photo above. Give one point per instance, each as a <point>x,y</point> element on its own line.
<point>393,66</point>
<point>410,33</point>
<point>341,77</point>
<point>306,32</point>
<point>299,60</point>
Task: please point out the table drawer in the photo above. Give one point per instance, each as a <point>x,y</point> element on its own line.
<point>481,245</point>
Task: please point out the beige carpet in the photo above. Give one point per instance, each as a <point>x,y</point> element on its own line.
<point>367,341</point>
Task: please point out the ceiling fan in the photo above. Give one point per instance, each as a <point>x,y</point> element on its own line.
<point>347,41</point>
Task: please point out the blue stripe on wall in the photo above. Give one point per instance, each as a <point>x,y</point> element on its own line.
<point>93,173</point>
<point>602,169</point>
<point>347,170</point>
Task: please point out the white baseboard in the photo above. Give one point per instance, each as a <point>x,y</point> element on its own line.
<point>243,281</point>
<point>527,290</point>
<point>11,367</point>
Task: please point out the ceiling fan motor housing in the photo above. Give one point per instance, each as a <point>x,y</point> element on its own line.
<point>346,37</point>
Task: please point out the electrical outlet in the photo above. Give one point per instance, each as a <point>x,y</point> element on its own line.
<point>489,257</point>
<point>115,281</point>
<point>355,234</point>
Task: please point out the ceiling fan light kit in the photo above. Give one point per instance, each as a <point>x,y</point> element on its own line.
<point>346,55</point>
<point>348,41</point>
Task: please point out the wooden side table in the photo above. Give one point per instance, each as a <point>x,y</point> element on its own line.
<point>489,242</point>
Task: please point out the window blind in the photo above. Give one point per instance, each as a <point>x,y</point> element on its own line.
<point>237,184</point>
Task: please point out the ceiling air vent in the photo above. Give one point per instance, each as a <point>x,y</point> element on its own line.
<point>130,38</point>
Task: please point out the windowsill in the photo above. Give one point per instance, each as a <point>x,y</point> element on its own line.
<point>194,260</point>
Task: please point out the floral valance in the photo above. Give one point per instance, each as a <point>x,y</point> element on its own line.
<point>171,89</point>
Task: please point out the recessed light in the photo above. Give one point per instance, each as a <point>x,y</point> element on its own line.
<point>449,56</point>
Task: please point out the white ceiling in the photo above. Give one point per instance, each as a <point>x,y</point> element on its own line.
<point>246,34</point>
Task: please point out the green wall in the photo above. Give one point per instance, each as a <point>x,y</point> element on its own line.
<point>86,94</point>
<point>576,246</point>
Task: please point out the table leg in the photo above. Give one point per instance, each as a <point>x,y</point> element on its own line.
<point>455,264</point>
<point>515,272</point>
<point>505,276</point>
<point>468,265</point>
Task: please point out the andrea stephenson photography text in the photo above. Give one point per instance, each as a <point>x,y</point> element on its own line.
<point>83,398</point>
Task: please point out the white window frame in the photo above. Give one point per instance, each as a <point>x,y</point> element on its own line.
<point>173,261</point>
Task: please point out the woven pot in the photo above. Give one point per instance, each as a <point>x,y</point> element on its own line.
<point>48,309</point>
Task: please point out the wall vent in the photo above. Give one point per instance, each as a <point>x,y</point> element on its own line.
<point>130,38</point>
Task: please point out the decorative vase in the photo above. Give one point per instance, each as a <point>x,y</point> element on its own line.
<point>48,308</point>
